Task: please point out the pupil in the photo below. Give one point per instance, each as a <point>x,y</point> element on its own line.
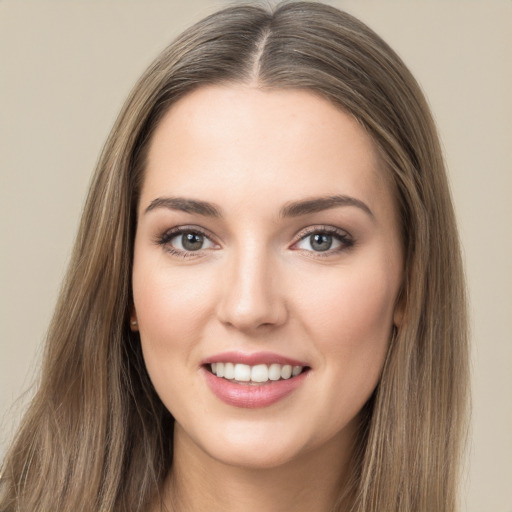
<point>321,242</point>
<point>192,241</point>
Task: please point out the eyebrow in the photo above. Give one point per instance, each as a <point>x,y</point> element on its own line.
<point>291,209</point>
<point>318,204</point>
<point>185,205</point>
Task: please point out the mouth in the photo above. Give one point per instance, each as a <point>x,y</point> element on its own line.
<point>253,380</point>
<point>258,374</point>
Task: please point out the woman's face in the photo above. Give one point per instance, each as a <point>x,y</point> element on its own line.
<point>267,244</point>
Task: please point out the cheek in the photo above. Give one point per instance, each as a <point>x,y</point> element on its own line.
<point>351,317</point>
<point>169,312</point>
<point>350,320</point>
<point>170,308</point>
<point>169,304</point>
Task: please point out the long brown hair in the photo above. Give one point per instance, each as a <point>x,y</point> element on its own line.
<point>96,435</point>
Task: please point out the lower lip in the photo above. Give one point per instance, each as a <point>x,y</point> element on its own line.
<point>252,396</point>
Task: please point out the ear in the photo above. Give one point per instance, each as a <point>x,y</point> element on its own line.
<point>134,324</point>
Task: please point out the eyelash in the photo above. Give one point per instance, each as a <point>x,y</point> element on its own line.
<point>165,239</point>
<point>345,240</point>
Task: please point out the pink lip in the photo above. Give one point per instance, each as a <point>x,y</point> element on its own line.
<point>252,359</point>
<point>251,396</point>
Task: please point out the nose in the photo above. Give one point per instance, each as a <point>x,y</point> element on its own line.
<point>252,296</point>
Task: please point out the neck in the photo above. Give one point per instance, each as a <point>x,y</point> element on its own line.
<point>311,482</point>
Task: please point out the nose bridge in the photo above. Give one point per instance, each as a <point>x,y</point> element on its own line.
<point>251,296</point>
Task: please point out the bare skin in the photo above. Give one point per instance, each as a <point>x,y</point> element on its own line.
<point>265,226</point>
<point>289,487</point>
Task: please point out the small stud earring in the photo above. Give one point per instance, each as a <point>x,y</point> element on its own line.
<point>134,322</point>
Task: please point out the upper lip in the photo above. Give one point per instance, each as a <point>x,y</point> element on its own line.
<point>252,359</point>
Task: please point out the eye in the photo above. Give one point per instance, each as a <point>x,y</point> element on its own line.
<point>190,241</point>
<point>183,240</point>
<point>319,242</point>
<point>324,240</point>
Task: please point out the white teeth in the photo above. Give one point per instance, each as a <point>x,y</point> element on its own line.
<point>229,371</point>
<point>297,370</point>
<point>274,372</point>
<point>242,372</point>
<point>286,371</point>
<point>258,373</point>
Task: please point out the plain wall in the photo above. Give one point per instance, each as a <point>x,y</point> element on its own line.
<point>65,69</point>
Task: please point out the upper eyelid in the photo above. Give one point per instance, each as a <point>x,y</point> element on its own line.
<point>319,228</point>
<point>344,237</point>
<point>168,234</point>
<point>172,232</point>
<point>164,241</point>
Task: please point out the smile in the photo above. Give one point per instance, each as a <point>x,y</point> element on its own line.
<point>253,380</point>
<point>257,374</point>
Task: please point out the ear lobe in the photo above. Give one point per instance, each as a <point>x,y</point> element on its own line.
<point>134,324</point>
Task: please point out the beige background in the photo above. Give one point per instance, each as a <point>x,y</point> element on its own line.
<point>65,69</point>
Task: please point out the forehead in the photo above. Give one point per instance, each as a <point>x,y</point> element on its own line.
<point>237,140</point>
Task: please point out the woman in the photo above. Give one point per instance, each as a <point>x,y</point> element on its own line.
<point>265,306</point>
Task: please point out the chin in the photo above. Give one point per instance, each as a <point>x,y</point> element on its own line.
<point>251,445</point>
<point>256,457</point>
